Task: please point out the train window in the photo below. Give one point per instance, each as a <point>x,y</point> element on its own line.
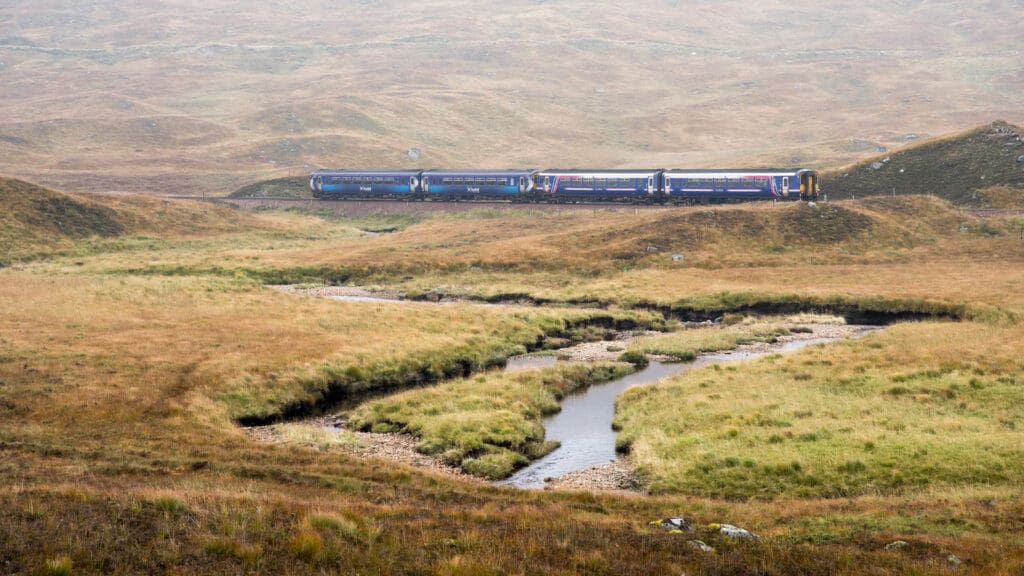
<point>447,180</point>
<point>492,181</point>
<point>481,181</point>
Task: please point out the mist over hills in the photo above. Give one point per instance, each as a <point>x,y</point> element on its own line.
<point>170,98</point>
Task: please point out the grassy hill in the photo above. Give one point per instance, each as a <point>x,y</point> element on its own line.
<point>983,167</point>
<point>34,218</point>
<point>291,187</point>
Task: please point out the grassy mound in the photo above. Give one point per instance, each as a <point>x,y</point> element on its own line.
<point>488,425</point>
<point>290,187</point>
<point>955,167</point>
<point>34,218</point>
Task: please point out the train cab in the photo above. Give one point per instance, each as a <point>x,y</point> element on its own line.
<point>809,185</point>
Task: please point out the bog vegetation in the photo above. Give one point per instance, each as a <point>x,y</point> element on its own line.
<point>131,352</point>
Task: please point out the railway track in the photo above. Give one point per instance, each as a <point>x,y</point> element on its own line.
<point>366,207</point>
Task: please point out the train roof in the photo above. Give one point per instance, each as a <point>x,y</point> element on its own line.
<point>484,172</point>
<point>738,170</point>
<point>374,172</point>
<point>600,171</point>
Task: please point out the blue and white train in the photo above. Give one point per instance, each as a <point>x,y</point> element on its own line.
<point>574,185</point>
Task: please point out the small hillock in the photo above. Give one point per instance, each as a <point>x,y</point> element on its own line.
<point>958,168</point>
<point>290,187</point>
<point>34,218</point>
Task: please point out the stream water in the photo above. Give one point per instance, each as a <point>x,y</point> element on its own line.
<point>584,425</point>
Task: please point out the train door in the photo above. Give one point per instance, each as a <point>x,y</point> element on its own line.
<point>412,184</point>
<point>650,185</point>
<point>785,185</point>
<point>809,186</point>
<point>522,185</point>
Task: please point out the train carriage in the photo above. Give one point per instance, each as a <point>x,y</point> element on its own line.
<point>682,186</point>
<point>599,185</point>
<point>342,184</point>
<point>492,184</point>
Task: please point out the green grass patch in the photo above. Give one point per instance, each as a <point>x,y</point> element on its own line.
<point>685,345</point>
<point>488,425</point>
<point>913,407</point>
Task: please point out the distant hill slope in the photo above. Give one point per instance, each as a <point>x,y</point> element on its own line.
<point>34,218</point>
<point>977,168</point>
<point>291,187</point>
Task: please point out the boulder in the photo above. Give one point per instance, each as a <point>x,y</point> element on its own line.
<point>954,561</point>
<point>896,545</point>
<point>700,545</point>
<point>734,532</point>
<point>681,523</point>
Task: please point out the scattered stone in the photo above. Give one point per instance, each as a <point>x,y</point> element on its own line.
<point>886,160</point>
<point>652,248</point>
<point>700,545</point>
<point>954,561</point>
<point>413,153</point>
<point>734,532</point>
<point>1020,158</point>
<point>877,165</point>
<point>615,476</point>
<point>909,137</point>
<point>897,545</point>
<point>680,523</point>
<point>677,257</point>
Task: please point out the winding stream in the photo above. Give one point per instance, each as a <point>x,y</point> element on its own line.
<point>584,425</point>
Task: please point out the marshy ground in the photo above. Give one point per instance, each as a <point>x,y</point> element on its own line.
<point>133,355</point>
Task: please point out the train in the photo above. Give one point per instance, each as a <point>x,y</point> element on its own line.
<point>659,186</point>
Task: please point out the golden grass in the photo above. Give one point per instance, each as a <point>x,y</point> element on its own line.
<point>119,384</point>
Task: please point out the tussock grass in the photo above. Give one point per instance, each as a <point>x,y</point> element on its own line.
<point>685,344</point>
<point>313,436</point>
<point>913,407</point>
<point>488,425</point>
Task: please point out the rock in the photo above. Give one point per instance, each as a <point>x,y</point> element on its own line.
<point>876,165</point>
<point>1020,158</point>
<point>909,137</point>
<point>652,248</point>
<point>734,532</point>
<point>886,160</point>
<point>700,545</point>
<point>896,545</point>
<point>433,295</point>
<point>677,257</point>
<point>413,153</point>
<point>954,561</point>
<point>680,523</point>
